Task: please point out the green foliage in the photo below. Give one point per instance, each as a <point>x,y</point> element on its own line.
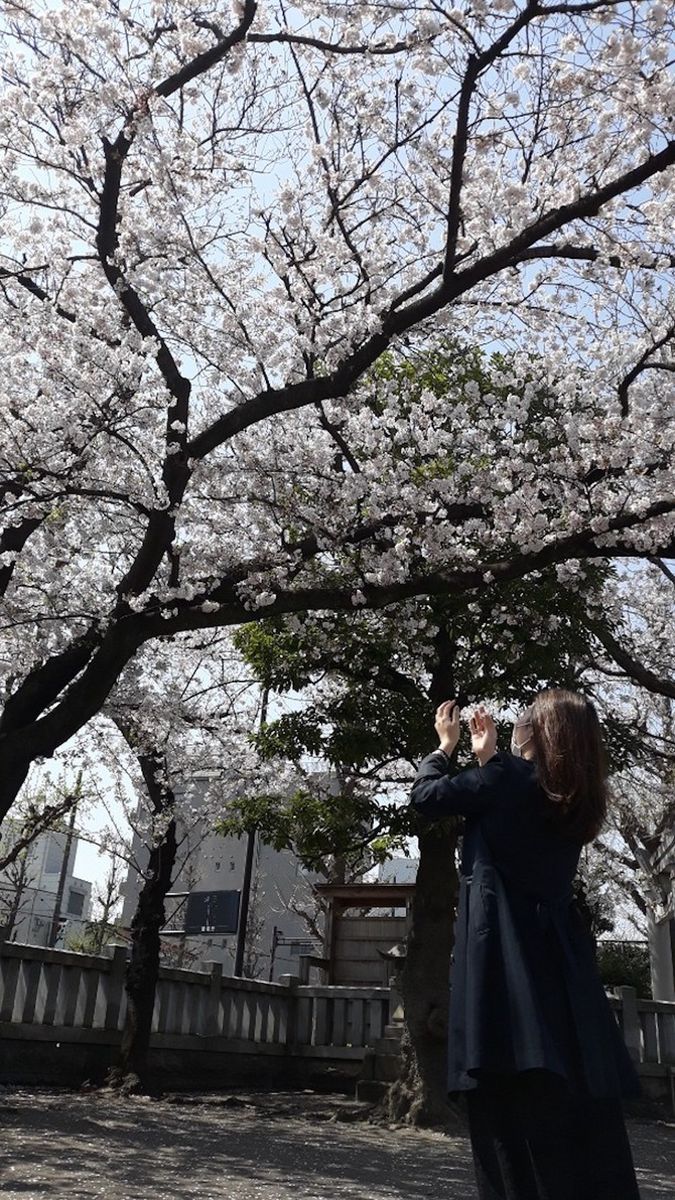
<point>91,938</point>
<point>625,964</point>
<point>287,654</point>
<point>319,823</point>
<point>470,379</point>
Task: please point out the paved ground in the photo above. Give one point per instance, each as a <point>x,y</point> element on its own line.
<point>78,1147</point>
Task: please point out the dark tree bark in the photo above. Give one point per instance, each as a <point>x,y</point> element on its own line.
<point>419,1096</point>
<point>130,1073</point>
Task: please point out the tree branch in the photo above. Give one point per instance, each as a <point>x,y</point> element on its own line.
<point>37,823</point>
<point>660,685</point>
<point>397,321</point>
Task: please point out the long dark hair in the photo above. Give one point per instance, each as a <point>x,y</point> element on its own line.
<point>570,758</point>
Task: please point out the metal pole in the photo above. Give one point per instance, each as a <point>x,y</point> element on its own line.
<point>243,909</point>
<point>276,933</point>
<point>248,870</point>
<point>56,919</point>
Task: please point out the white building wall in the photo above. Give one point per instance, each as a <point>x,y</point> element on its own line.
<point>208,862</point>
<point>398,870</point>
<point>38,902</point>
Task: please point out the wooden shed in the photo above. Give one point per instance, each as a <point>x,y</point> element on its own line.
<point>363,922</point>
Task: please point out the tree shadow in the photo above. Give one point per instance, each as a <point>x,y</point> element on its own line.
<point>87,1147</point>
<point>143,1148</point>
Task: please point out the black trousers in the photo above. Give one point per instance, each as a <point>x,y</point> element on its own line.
<point>534,1139</point>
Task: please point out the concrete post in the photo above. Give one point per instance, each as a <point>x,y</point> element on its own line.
<point>118,970</point>
<point>661,957</point>
<point>631,1021</point>
<point>291,982</point>
<point>213,1003</point>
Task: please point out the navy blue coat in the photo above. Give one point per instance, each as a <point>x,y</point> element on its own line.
<point>525,990</point>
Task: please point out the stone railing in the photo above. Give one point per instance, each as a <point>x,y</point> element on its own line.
<point>648,1027</point>
<point>63,996</point>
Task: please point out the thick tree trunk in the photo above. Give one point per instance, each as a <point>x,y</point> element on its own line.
<point>419,1096</point>
<point>130,1073</point>
<point>13,775</point>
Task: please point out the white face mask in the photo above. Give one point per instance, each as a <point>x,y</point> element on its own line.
<point>522,729</point>
<point>516,748</point>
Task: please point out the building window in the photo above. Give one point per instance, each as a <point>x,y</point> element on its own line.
<point>217,866</point>
<point>75,903</point>
<point>53,857</point>
<point>232,867</point>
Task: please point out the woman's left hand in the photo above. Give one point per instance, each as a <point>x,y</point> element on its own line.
<point>447,725</point>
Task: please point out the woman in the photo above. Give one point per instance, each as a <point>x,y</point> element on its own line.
<point>532,1039</point>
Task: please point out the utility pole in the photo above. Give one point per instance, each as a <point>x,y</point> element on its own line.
<point>58,903</point>
<point>244,905</point>
<point>276,935</point>
<point>248,871</point>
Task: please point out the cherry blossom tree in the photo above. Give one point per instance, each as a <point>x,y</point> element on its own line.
<point>636,851</point>
<point>215,222</point>
<point>168,718</point>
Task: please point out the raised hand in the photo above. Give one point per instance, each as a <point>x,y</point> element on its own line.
<point>483,734</point>
<point>447,725</point>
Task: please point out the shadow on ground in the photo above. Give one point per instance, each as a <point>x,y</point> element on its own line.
<point>97,1145</point>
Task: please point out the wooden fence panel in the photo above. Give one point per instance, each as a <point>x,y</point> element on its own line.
<point>355,1023</point>
<point>321,1021</point>
<point>376,1022</point>
<point>339,1032</point>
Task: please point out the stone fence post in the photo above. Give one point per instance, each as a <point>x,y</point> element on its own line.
<point>118,970</point>
<point>631,1021</point>
<point>291,982</point>
<point>213,1002</point>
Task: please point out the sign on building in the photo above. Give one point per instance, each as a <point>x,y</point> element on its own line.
<point>212,912</point>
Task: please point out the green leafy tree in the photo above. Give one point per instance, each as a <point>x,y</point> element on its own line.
<point>625,964</point>
<point>369,690</point>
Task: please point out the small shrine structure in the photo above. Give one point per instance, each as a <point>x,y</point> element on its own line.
<point>364,922</point>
